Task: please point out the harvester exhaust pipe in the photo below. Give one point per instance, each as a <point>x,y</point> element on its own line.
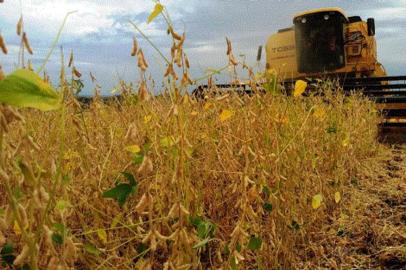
<point>371,27</point>
<point>259,54</point>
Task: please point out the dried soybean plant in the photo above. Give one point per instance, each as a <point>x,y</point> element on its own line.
<point>4,50</point>
<point>226,183</point>
<point>143,93</point>
<point>24,42</point>
<point>76,81</point>
<point>31,215</point>
<point>3,46</point>
<point>32,220</point>
<point>179,196</point>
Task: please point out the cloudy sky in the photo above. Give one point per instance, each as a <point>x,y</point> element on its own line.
<point>101,37</point>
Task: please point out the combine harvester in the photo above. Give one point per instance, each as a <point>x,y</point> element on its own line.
<point>326,44</point>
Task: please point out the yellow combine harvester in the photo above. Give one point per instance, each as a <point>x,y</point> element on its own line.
<point>325,43</point>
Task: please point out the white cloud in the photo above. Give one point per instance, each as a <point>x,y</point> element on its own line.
<point>45,16</point>
<point>206,48</point>
<point>389,13</point>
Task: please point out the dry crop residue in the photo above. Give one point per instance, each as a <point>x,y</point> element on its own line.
<point>370,232</point>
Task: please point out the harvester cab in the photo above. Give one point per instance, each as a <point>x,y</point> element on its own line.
<point>325,42</point>
<point>320,41</point>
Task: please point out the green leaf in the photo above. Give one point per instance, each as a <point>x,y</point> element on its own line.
<point>202,230</point>
<point>331,130</point>
<point>130,177</point>
<point>24,88</point>
<point>66,179</point>
<point>120,193</point>
<point>138,159</point>
<point>57,239</point>
<point>212,71</point>
<point>60,228</point>
<point>233,263</point>
<point>77,85</point>
<point>266,191</point>
<point>17,193</point>
<point>354,181</point>
<point>6,255</point>
<point>90,248</point>
<point>294,225</point>
<point>201,243</point>
<point>226,250</point>
<point>26,171</point>
<point>174,152</point>
<point>142,248</point>
<point>268,207</point>
<point>25,267</point>
<point>238,247</point>
<point>205,229</point>
<point>271,86</point>
<point>341,232</point>
<point>7,249</point>
<point>255,243</point>
<point>146,147</point>
<point>157,10</point>
<point>62,205</point>
<point>195,221</point>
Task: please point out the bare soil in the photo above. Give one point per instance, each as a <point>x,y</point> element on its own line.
<point>370,231</point>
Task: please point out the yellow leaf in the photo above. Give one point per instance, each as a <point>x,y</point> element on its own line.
<point>134,149</point>
<point>319,113</point>
<point>102,235</point>
<point>194,113</point>
<point>316,201</point>
<point>208,106</point>
<point>71,155</point>
<point>115,221</point>
<point>147,119</point>
<point>62,205</point>
<point>186,100</point>
<point>343,217</point>
<point>167,142</point>
<point>314,163</point>
<point>225,115</point>
<point>282,120</point>
<point>346,140</point>
<point>16,228</point>
<point>337,197</point>
<point>300,87</point>
<point>157,10</point>
<point>259,76</point>
<point>189,152</point>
